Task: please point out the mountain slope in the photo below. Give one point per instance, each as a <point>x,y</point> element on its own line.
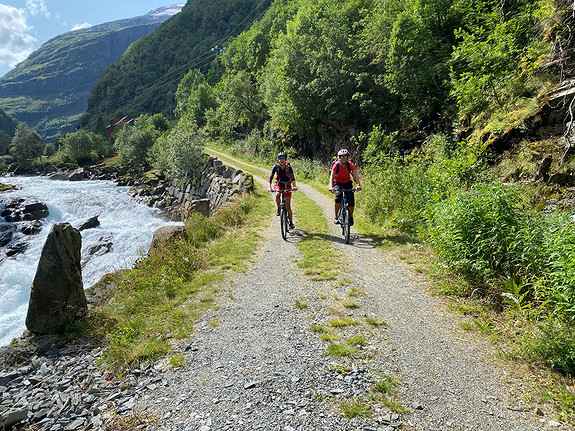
<point>49,89</point>
<point>146,78</point>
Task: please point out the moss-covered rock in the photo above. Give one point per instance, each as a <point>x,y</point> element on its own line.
<point>6,187</point>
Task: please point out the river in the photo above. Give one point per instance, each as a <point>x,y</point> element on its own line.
<point>127,222</point>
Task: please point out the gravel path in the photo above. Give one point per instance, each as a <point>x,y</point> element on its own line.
<point>254,364</point>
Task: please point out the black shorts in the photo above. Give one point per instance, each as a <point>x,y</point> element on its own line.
<point>338,187</point>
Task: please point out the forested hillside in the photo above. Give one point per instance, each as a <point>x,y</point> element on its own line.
<point>49,90</point>
<point>7,129</point>
<point>146,77</point>
<point>319,73</point>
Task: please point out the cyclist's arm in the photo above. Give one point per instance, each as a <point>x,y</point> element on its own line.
<point>331,178</point>
<point>356,179</point>
<point>292,178</point>
<point>271,178</point>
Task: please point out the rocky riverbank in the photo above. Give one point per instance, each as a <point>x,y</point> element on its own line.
<point>50,384</point>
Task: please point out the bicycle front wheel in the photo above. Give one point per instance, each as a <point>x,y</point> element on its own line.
<point>345,226</point>
<point>284,223</point>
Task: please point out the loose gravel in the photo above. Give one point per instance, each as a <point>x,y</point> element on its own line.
<point>255,364</point>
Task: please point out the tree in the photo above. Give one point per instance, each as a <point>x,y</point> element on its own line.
<point>488,64</point>
<point>194,97</point>
<point>311,76</point>
<point>4,142</point>
<point>84,147</point>
<point>26,143</point>
<point>240,106</point>
<point>178,152</point>
<point>133,142</point>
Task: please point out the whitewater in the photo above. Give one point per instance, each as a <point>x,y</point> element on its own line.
<point>123,219</point>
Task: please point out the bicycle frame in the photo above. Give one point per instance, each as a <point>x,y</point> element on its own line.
<point>284,222</point>
<point>344,216</point>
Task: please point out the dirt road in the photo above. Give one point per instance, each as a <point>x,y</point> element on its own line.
<point>255,364</point>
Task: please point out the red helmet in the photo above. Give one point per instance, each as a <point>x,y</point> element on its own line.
<point>343,152</point>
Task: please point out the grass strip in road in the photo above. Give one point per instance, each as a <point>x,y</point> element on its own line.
<point>320,260</point>
<point>149,308</point>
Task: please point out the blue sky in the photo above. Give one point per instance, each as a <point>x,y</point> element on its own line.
<point>26,24</point>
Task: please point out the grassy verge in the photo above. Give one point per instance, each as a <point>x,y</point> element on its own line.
<point>149,308</point>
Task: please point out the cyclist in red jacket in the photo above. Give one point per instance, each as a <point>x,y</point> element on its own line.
<point>285,180</point>
<point>340,178</point>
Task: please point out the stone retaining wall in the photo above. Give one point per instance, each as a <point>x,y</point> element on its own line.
<point>214,185</point>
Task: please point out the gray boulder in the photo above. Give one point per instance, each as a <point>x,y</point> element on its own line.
<point>167,234</point>
<point>57,296</point>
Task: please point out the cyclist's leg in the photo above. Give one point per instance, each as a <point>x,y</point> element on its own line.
<point>288,206</point>
<point>350,201</point>
<point>337,203</point>
<point>278,199</point>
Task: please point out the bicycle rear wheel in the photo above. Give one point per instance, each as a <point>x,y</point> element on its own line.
<point>345,225</point>
<point>284,222</point>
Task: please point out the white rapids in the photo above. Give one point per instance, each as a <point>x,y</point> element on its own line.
<point>128,223</point>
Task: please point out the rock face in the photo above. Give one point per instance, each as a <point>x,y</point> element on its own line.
<point>57,295</point>
<point>205,191</point>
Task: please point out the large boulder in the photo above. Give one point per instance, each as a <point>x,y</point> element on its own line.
<point>57,296</point>
<point>167,234</point>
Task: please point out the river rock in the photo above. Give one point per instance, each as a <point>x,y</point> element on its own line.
<point>57,296</point>
<point>91,223</point>
<point>16,210</point>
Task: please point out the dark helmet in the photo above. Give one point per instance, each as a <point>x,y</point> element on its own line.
<point>282,154</point>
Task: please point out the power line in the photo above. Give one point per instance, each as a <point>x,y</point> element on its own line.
<point>201,61</point>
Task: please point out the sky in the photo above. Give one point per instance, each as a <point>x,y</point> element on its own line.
<point>26,24</point>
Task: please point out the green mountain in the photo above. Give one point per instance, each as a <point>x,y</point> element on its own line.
<point>146,78</point>
<point>7,123</point>
<point>49,90</point>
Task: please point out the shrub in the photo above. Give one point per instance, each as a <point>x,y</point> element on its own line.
<point>486,234</point>
<point>558,282</point>
<point>556,347</point>
<point>402,187</point>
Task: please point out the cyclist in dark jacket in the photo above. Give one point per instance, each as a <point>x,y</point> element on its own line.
<point>284,180</point>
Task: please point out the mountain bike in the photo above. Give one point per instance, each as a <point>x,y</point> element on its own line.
<point>343,216</point>
<point>284,221</point>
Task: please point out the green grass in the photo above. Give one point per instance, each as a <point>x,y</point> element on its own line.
<point>177,360</point>
<point>160,299</point>
<point>355,408</point>
<point>318,329</point>
<point>375,321</point>
<point>338,350</point>
<point>328,337</point>
<point>349,304</point>
<point>319,259</point>
<point>356,340</point>
<point>300,304</point>
<point>343,322</point>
